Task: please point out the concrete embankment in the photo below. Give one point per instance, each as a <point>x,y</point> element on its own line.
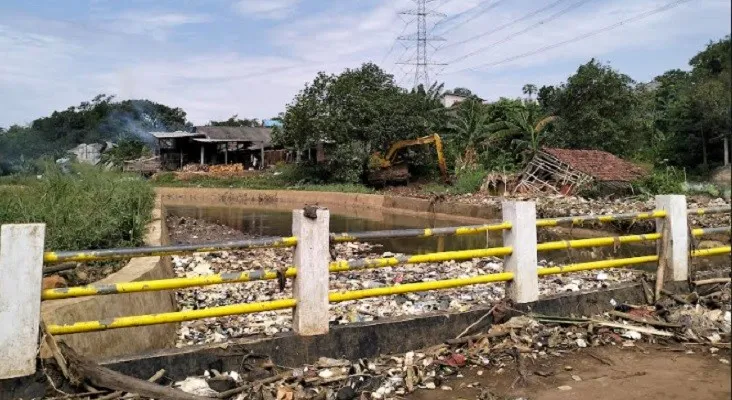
<point>120,342</point>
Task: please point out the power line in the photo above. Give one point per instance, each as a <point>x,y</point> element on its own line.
<point>460,14</point>
<point>521,32</point>
<point>504,26</point>
<point>579,37</point>
<point>406,25</point>
<point>472,17</point>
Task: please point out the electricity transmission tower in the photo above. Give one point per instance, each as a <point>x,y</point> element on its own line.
<point>422,61</point>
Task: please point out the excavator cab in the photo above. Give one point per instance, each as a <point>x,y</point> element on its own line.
<point>384,170</point>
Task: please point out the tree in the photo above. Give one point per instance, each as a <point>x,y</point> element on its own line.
<point>524,127</point>
<point>529,89</point>
<point>597,109</point>
<point>468,128</point>
<point>461,91</point>
<point>360,111</point>
<point>234,120</point>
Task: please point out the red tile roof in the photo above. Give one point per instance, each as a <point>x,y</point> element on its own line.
<point>601,165</point>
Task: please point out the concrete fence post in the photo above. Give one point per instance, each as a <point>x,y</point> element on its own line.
<point>673,248</point>
<point>523,260</point>
<point>21,273</point>
<point>312,256</point>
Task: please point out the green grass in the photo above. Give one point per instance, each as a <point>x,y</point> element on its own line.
<point>266,181</point>
<point>85,209</point>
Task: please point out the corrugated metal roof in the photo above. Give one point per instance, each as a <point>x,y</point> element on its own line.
<point>236,133</point>
<point>174,135</point>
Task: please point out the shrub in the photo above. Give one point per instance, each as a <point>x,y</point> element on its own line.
<point>469,180</point>
<point>86,209</point>
<point>668,180</point>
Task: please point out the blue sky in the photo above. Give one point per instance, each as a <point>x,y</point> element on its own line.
<point>216,58</point>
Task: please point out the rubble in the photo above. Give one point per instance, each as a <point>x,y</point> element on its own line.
<point>521,343</point>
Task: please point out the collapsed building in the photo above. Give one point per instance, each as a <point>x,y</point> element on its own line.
<point>564,171</point>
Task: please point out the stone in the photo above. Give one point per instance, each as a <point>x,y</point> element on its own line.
<point>53,282</point>
<point>565,388</point>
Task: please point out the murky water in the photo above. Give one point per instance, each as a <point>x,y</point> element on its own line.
<point>273,222</point>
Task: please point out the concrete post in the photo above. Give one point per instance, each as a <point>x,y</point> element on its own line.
<point>202,154</point>
<point>522,261</point>
<point>312,256</point>
<point>675,228</point>
<point>21,273</point>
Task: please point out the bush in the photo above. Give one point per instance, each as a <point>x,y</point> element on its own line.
<point>86,209</point>
<point>469,181</point>
<point>668,180</point>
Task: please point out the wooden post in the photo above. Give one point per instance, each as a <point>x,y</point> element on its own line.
<point>202,153</point>
<point>21,274</point>
<point>226,153</point>
<point>312,256</point>
<point>522,261</point>
<point>674,245</point>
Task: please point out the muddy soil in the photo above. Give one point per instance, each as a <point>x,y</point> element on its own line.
<point>651,373</point>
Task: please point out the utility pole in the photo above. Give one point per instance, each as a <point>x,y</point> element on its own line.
<point>422,39</point>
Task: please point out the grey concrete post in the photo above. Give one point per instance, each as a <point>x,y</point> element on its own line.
<point>21,275</point>
<point>523,260</point>
<point>312,256</point>
<point>675,241</point>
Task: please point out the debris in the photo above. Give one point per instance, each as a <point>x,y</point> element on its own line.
<point>576,378</point>
<point>641,320</point>
<point>638,329</point>
<point>565,388</point>
<point>711,281</point>
<point>632,335</point>
<point>197,386</point>
<point>724,361</point>
<point>581,343</point>
<point>83,369</point>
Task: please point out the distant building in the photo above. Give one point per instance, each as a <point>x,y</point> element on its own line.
<point>215,145</point>
<point>449,100</point>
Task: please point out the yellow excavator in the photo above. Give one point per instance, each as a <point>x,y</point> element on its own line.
<point>384,170</point>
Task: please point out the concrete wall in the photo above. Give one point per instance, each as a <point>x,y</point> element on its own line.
<point>119,342</point>
<point>471,213</point>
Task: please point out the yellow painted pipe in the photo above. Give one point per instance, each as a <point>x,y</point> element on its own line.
<point>340,266</point>
<point>714,251</point>
<point>336,297</point>
<point>161,284</point>
<point>596,242</point>
<point>603,264</point>
<point>239,277</point>
<point>546,222</point>
<point>708,231</point>
<point>166,318</point>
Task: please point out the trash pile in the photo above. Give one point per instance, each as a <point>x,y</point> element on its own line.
<point>516,344</point>
<point>273,322</point>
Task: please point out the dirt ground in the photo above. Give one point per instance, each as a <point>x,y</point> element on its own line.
<point>651,373</point>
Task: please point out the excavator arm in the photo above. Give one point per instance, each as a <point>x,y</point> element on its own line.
<point>388,160</point>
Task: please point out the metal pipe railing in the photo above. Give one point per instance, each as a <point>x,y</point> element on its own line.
<point>248,276</point>
<point>714,251</point>
<point>275,242</point>
<point>122,253</point>
<point>547,222</point>
<point>603,264</point>
<point>712,210</point>
<point>417,233</point>
<point>596,242</point>
<point>709,231</point>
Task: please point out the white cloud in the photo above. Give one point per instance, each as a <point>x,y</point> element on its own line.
<point>270,9</point>
<point>156,24</point>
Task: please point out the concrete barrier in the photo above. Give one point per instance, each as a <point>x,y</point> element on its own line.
<point>118,342</point>
<point>283,199</point>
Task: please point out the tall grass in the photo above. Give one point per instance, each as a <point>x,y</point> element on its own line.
<point>85,209</point>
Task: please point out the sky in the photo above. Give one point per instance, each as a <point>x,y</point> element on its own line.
<point>217,58</point>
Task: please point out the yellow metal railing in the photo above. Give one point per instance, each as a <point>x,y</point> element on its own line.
<point>353,265</point>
